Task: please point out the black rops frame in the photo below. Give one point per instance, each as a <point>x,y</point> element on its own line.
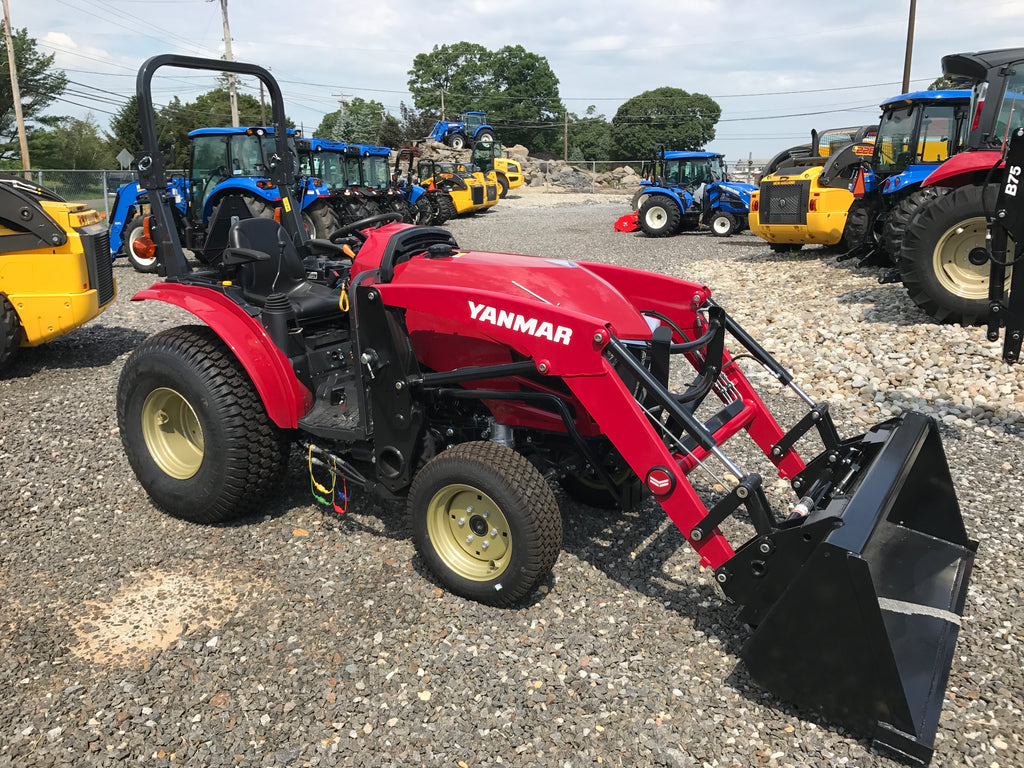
<point>153,167</point>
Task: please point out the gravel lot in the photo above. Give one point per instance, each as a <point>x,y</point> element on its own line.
<point>300,637</point>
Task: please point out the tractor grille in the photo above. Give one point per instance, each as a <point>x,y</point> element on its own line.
<point>478,195</point>
<point>100,265</point>
<point>784,203</point>
<point>492,192</point>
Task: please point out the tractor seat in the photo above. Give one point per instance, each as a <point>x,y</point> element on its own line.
<point>282,273</point>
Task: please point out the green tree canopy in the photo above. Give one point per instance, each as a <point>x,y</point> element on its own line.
<point>69,143</point>
<point>590,136</point>
<point>360,122</point>
<point>39,85</point>
<point>668,116</point>
<point>517,89</point>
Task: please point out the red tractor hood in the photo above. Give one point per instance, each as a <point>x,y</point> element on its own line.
<point>546,282</point>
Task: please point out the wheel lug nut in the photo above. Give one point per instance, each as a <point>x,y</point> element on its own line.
<point>469,539</point>
<point>494,531</point>
<point>484,545</point>
<point>462,521</point>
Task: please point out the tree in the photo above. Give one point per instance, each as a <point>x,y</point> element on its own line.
<point>590,137</point>
<point>38,84</point>
<point>359,121</point>
<point>517,89</point>
<point>668,116</point>
<point>71,144</point>
<point>452,75</point>
<point>945,83</point>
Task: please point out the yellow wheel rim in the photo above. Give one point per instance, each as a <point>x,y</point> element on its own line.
<point>952,264</point>
<point>172,433</point>
<point>469,532</point>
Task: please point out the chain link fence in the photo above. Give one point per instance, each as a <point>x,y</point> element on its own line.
<point>96,189</point>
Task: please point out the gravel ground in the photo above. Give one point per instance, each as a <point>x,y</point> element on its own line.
<point>300,637</point>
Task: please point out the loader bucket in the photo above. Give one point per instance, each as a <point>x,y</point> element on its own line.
<point>857,606</point>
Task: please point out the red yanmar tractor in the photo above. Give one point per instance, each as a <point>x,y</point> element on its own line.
<point>462,382</point>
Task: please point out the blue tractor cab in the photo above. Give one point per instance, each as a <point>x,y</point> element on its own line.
<point>469,129</point>
<point>688,190</point>
<point>227,175</point>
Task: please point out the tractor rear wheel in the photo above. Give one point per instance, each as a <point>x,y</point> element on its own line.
<point>320,220</point>
<point>446,209</point>
<point>722,224</point>
<point>484,137</point>
<point>194,428</point>
<point>659,216</point>
<point>424,210</point>
<point>132,231</point>
<point>944,262</point>
<point>10,331</point>
<point>485,522</point>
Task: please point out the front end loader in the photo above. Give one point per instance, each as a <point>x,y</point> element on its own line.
<point>462,383</point>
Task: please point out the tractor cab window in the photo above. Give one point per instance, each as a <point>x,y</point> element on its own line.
<point>268,148</point>
<point>1011,108</point>
<point>208,167</point>
<point>247,156</point>
<point>895,138</point>
<point>473,121</point>
<point>484,154</point>
<point>376,173</point>
<point>330,167</point>
<point>940,134</point>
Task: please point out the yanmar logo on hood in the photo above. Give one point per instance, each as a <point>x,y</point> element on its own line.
<point>513,321</point>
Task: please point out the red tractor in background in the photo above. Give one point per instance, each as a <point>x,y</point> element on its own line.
<point>943,261</point>
<point>459,383</point>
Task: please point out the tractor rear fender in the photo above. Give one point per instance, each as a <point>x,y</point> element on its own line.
<point>283,395</point>
<point>966,168</point>
<point>682,198</point>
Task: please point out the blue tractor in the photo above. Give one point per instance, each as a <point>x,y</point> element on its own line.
<point>468,130</point>
<point>226,175</point>
<point>688,190</point>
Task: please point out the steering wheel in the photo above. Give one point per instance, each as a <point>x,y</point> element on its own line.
<point>356,227</point>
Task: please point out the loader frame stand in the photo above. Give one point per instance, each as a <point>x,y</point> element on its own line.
<point>1008,222</point>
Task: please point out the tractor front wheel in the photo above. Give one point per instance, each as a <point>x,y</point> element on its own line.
<point>485,522</point>
<point>458,141</point>
<point>722,224</point>
<point>659,216</point>
<point>134,230</point>
<point>944,262</point>
<point>194,428</point>
<point>10,331</point>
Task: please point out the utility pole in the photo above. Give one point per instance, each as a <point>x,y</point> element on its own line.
<point>565,139</point>
<point>16,93</point>
<point>910,47</point>
<point>263,106</point>
<point>232,92</point>
<point>442,104</point>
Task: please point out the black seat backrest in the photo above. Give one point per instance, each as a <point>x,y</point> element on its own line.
<point>281,273</point>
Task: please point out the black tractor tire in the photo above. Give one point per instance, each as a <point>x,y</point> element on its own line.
<point>722,224</point>
<point>484,137</point>
<point>458,141</point>
<point>132,231</point>
<point>587,489</point>
<point>194,428</point>
<point>901,215</point>
<point>635,202</point>
<point>320,219</point>
<point>424,210</point>
<point>10,331</point>
<point>258,207</point>
<point>940,246</point>
<point>401,206</point>
<point>446,209</point>
<point>858,234</point>
<point>485,522</point>
<point>659,216</point>
<point>502,185</point>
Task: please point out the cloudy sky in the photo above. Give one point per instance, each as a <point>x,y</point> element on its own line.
<point>778,69</point>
